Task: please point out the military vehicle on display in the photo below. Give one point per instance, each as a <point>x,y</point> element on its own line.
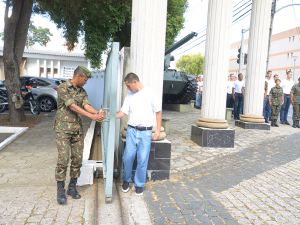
<point>178,87</point>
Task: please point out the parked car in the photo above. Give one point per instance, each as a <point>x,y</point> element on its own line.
<point>57,81</point>
<point>44,90</point>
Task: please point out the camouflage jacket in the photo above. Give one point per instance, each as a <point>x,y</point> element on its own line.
<point>276,94</point>
<point>296,92</point>
<point>66,120</point>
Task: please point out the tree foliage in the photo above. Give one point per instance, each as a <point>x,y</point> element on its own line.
<point>96,20</point>
<point>192,64</point>
<point>175,19</point>
<point>37,35</point>
<point>175,23</point>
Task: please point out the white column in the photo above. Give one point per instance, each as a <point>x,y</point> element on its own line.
<point>52,69</point>
<point>38,67</point>
<point>257,56</point>
<point>148,32</point>
<point>216,64</point>
<point>45,68</point>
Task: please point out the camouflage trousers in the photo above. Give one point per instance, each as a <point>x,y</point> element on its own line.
<point>68,146</point>
<point>275,110</point>
<point>296,111</point>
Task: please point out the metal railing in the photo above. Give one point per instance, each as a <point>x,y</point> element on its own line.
<point>108,129</point>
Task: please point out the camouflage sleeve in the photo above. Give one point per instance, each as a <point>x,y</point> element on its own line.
<point>293,89</point>
<point>85,100</point>
<point>65,96</point>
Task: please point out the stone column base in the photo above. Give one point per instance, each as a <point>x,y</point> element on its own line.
<point>215,138</point>
<point>252,125</point>
<point>159,163</point>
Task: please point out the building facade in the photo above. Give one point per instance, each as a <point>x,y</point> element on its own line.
<point>47,63</point>
<point>284,54</point>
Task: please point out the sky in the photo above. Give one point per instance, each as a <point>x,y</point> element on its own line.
<point>195,20</point>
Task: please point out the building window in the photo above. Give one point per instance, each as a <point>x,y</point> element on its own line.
<point>55,71</point>
<point>289,39</point>
<point>288,55</point>
<point>292,53</point>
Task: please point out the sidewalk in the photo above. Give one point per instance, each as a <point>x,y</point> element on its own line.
<point>257,182</point>
<point>28,186</point>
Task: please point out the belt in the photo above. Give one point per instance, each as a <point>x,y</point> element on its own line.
<point>140,128</point>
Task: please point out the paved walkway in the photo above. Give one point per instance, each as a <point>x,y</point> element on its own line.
<point>257,182</point>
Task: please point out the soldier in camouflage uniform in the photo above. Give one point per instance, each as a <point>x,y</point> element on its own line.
<point>72,102</point>
<point>275,100</point>
<point>295,100</point>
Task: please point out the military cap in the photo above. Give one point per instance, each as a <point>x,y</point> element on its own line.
<point>86,71</point>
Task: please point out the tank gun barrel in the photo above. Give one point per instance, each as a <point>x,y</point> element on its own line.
<point>180,42</point>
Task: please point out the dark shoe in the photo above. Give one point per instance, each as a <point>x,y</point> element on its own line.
<point>72,189</point>
<point>275,123</point>
<point>139,190</point>
<point>287,123</point>
<point>266,121</point>
<point>297,124</point>
<point>282,122</point>
<point>61,195</point>
<point>125,187</point>
<point>272,124</point>
<point>294,124</point>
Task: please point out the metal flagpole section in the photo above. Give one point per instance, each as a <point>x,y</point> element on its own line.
<point>108,129</point>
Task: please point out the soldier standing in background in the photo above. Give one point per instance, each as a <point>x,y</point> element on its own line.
<point>72,102</point>
<point>269,83</point>
<point>275,101</point>
<point>295,100</point>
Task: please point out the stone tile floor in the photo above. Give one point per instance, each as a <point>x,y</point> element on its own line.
<point>257,182</point>
<point>27,183</point>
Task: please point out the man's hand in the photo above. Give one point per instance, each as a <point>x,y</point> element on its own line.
<point>156,135</point>
<point>97,117</point>
<point>292,102</point>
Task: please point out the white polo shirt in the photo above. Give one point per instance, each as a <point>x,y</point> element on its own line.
<point>229,87</point>
<point>287,86</point>
<point>271,83</point>
<point>141,107</point>
<point>238,85</point>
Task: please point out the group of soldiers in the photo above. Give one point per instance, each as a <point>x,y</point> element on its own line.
<point>278,97</point>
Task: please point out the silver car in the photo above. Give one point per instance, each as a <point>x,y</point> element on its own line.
<point>44,90</point>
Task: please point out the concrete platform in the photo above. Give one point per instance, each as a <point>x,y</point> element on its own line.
<point>215,138</point>
<point>248,125</point>
<point>159,160</point>
<point>178,107</point>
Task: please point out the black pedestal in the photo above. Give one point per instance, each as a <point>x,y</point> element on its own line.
<point>159,160</point>
<point>249,125</point>
<point>215,138</point>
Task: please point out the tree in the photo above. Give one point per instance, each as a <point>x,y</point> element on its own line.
<point>37,35</point>
<point>192,64</point>
<point>175,19</point>
<point>16,18</point>
<point>175,22</point>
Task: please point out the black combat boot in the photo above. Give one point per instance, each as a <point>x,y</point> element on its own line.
<point>297,124</point>
<point>275,123</point>
<point>294,124</point>
<point>272,123</point>
<point>61,195</point>
<point>72,189</point>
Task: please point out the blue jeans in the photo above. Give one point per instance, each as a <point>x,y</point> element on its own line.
<point>138,144</point>
<point>267,109</point>
<point>285,108</point>
<point>238,105</point>
<point>198,102</point>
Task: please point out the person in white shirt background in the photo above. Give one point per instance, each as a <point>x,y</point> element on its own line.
<point>238,90</point>
<point>198,102</point>
<point>229,99</point>
<point>143,108</point>
<point>269,83</point>
<point>286,85</point>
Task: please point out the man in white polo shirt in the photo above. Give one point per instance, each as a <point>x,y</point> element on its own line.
<point>238,96</point>
<point>269,83</point>
<point>142,108</point>
<point>286,85</point>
